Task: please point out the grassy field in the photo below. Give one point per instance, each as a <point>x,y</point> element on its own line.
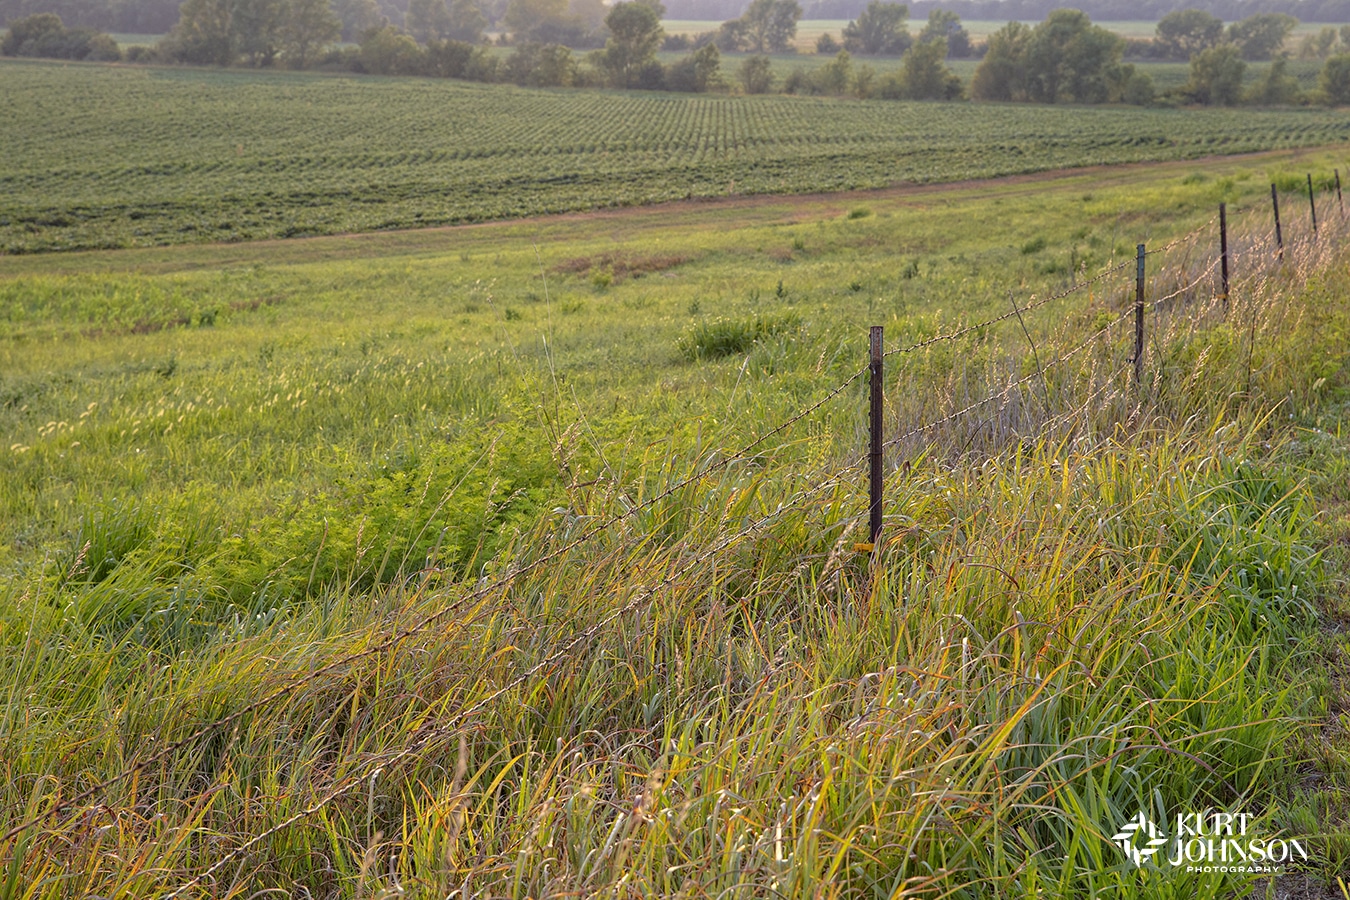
<point>446,528</point>
<point>142,156</point>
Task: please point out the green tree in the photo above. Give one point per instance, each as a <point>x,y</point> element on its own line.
<point>1002,74</point>
<point>388,51</point>
<point>309,26</point>
<point>357,17</point>
<point>635,35</point>
<point>1261,36</point>
<point>467,22</point>
<point>255,30</point>
<point>1334,79</point>
<point>203,34</point>
<point>1068,59</point>
<point>448,59</point>
<point>697,72</point>
<point>731,36</point>
<point>755,75</point>
<point>836,75</point>
<point>427,20</point>
<point>1320,45</point>
<point>879,30</point>
<point>541,65</point>
<point>771,25</point>
<point>1216,76</point>
<point>45,35</point>
<point>1278,88</point>
<point>946,25</point>
<point>924,73</point>
<point>557,21</point>
<point>27,35</point>
<point>1185,32</point>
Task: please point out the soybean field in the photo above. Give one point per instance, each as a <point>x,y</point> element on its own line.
<point>107,157</point>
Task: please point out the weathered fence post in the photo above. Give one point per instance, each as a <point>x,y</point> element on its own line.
<point>877,355</point>
<point>1139,317</point>
<point>1223,251</point>
<point>1339,202</point>
<point>1275,203</point>
<point>1312,204</point>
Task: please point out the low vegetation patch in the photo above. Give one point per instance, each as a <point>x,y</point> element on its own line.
<point>723,337</point>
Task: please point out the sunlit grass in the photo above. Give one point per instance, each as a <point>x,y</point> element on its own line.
<point>363,498</point>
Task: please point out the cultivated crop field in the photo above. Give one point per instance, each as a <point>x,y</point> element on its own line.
<point>518,559</point>
<point>99,156</point>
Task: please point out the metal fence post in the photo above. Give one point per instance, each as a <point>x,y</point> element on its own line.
<point>877,356</point>
<point>1275,203</point>
<point>1139,316</point>
<point>1223,251</point>
<point>1312,204</point>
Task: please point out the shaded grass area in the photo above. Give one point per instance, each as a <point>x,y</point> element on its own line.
<point>345,498</point>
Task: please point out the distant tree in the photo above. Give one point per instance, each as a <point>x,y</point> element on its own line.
<point>357,17</point>
<point>557,21</point>
<point>541,65</point>
<point>309,26</point>
<point>755,75</point>
<point>1278,87</point>
<point>1334,79</point>
<point>203,34</point>
<point>924,73</point>
<point>448,59</point>
<point>731,36</point>
<point>255,30</point>
<point>879,30</point>
<point>467,22</point>
<point>45,35</point>
<point>635,34</point>
<point>1133,87</point>
<point>1320,45</point>
<point>1002,74</point>
<point>1184,33</point>
<point>1261,36</point>
<point>388,51</point>
<point>427,20</point>
<point>523,17</point>
<point>826,45</point>
<point>697,72</point>
<point>771,25</point>
<point>836,75</point>
<point>1216,76</point>
<point>946,25</point>
<point>28,34</point>
<point>1068,59</point>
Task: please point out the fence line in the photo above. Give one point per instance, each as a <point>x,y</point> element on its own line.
<point>447,728</point>
<point>1303,264</point>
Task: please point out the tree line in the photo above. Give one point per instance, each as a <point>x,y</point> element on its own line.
<point>1063,59</point>
<point>1329,11</point>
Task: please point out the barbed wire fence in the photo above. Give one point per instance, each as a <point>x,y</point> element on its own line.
<point>978,395</point>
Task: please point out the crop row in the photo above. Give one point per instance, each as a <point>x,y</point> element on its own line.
<point>104,156</point>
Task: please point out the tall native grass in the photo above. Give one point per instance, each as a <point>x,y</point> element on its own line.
<point>1086,609</point>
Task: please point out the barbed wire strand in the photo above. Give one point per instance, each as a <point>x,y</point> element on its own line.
<point>429,620</point>
<point>418,744</point>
